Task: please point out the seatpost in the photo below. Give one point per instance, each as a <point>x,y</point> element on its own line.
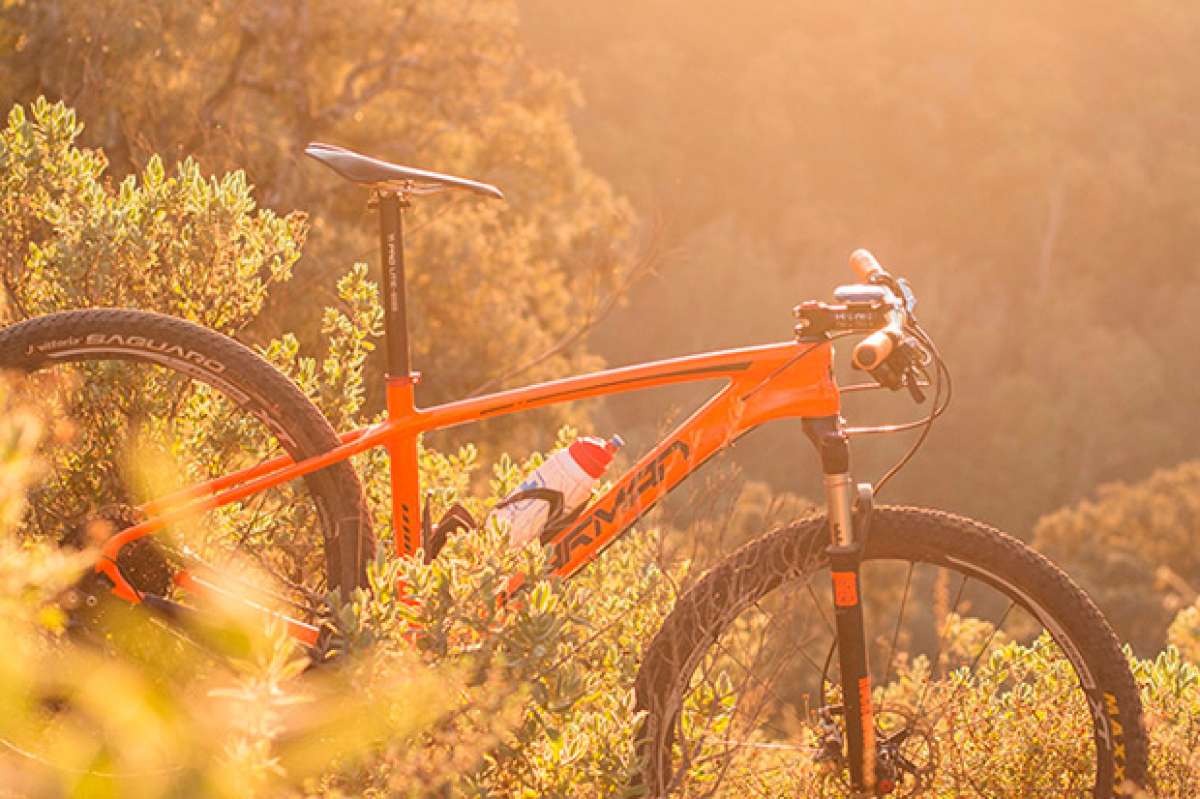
<point>401,379</point>
<point>395,309</point>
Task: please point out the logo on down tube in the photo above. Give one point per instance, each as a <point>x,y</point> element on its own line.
<point>590,526</point>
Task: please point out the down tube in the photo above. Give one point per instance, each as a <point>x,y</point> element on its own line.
<point>714,425</point>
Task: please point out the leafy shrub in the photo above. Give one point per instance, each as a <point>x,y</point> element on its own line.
<point>438,688</point>
<point>532,698</point>
<point>1133,548</point>
<point>180,243</point>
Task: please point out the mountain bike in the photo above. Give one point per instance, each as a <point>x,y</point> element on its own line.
<point>861,651</point>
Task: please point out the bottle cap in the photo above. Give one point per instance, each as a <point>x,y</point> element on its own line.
<point>594,454</point>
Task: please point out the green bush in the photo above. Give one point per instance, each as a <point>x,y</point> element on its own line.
<point>1133,547</point>
<point>176,242</point>
<point>437,688</point>
<point>528,699</point>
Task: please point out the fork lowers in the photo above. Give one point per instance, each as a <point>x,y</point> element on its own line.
<point>845,556</point>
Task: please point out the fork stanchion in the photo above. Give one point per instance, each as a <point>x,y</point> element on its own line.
<point>845,557</point>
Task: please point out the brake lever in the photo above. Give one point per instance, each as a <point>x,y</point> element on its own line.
<point>914,390</point>
<point>906,294</point>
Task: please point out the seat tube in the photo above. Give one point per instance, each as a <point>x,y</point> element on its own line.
<point>401,380</point>
<point>845,556</point>
<point>402,461</point>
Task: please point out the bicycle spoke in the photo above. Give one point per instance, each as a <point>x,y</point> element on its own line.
<point>937,657</point>
<point>979,655</point>
<point>896,637</point>
<point>752,673</point>
<point>820,607</point>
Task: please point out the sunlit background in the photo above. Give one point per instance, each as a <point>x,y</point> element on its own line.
<point>1031,167</point>
<point>679,175</point>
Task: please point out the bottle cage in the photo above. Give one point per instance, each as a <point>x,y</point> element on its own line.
<point>433,536</point>
<point>556,519</point>
<point>458,518</point>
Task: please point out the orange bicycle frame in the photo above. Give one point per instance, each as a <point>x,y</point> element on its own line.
<point>761,384</point>
<point>790,379</point>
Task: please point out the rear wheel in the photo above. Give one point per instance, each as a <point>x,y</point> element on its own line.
<point>144,404</point>
<point>993,674</point>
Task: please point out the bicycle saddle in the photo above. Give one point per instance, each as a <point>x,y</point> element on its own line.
<point>374,172</point>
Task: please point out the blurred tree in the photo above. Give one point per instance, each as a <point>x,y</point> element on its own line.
<point>1030,166</point>
<point>447,86</point>
<point>176,242</point>
<point>1133,548</point>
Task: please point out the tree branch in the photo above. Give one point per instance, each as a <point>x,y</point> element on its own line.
<point>595,315</point>
<point>13,295</point>
<point>351,98</point>
<point>246,43</point>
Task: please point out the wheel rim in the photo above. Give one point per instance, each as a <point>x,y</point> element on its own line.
<point>126,431</point>
<point>747,724</point>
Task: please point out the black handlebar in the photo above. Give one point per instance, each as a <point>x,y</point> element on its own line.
<point>881,308</point>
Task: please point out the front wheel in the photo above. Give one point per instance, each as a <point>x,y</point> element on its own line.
<point>993,673</point>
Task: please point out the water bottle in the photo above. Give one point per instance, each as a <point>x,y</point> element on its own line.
<point>572,472</point>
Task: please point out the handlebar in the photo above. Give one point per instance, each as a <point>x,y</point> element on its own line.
<point>875,348</point>
<point>866,266</point>
<point>881,308</point>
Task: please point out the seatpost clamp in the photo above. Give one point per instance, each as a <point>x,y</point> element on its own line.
<point>412,378</point>
<point>402,192</point>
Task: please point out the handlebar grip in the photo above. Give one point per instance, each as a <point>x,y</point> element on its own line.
<point>865,264</point>
<point>873,350</point>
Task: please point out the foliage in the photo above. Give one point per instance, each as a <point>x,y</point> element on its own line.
<point>452,692</point>
<point>1184,633</point>
<point>445,86</point>
<point>1133,547</point>
<point>1170,686</point>
<point>486,700</point>
<point>153,720</point>
<point>1028,726</point>
<point>529,699</point>
<point>178,243</point>
<point>1030,166</point>
<point>1025,714</point>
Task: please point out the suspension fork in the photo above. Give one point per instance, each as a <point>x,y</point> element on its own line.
<point>847,532</point>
